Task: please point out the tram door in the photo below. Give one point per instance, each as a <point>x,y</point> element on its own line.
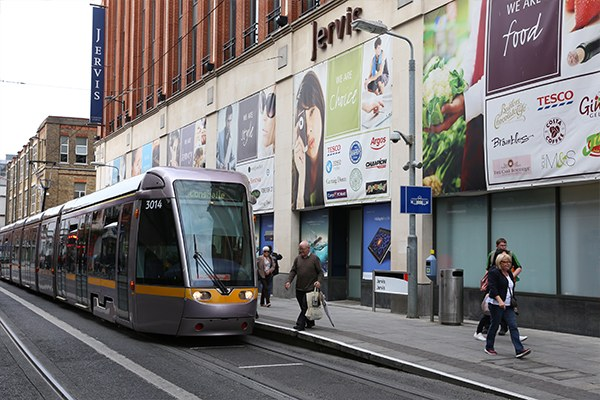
<point>81,282</point>
<point>123,262</point>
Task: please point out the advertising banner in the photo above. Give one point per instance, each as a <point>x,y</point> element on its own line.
<point>549,132</point>
<point>146,157</point>
<point>186,156</point>
<point>377,238</point>
<point>246,143</point>
<point>314,228</point>
<point>260,174</point>
<point>266,232</point>
<point>526,114</point>
<point>356,167</point>
<point>174,148</point>
<point>341,128</point>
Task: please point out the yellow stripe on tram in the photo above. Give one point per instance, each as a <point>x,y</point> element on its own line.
<point>70,277</point>
<point>160,291</point>
<point>102,282</point>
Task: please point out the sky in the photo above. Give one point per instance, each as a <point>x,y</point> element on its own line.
<point>45,65</point>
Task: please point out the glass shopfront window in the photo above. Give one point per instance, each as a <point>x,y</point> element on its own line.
<point>527,220</point>
<point>580,230</point>
<point>461,236</point>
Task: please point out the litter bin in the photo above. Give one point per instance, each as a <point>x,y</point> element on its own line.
<point>451,296</point>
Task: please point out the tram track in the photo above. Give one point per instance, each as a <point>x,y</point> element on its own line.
<point>243,373</point>
<point>28,356</point>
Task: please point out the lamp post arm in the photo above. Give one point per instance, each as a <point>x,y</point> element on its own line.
<point>407,40</point>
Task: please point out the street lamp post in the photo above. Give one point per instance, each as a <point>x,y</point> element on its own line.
<point>379,28</point>
<point>99,164</point>
<point>45,183</point>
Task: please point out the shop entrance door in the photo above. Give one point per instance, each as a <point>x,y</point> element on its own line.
<point>354,253</point>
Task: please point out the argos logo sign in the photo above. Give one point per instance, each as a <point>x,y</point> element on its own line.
<point>378,143</point>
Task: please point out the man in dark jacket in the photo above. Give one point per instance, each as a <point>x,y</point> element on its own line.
<point>308,273</point>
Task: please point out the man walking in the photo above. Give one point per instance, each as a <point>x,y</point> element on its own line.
<point>309,275</point>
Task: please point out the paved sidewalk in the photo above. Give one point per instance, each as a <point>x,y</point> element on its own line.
<point>561,366</point>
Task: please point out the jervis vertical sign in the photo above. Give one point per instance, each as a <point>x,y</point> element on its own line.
<point>97,86</point>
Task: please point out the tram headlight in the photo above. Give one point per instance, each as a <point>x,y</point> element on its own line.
<point>246,294</point>
<point>201,296</point>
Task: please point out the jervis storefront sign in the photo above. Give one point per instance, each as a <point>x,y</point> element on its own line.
<point>339,28</point>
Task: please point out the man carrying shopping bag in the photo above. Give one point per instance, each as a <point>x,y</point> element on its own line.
<point>309,275</point>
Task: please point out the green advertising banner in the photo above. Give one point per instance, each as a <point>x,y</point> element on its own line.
<point>343,93</point>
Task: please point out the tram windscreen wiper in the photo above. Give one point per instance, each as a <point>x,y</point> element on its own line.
<point>200,261</point>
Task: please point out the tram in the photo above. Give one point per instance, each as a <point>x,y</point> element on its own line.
<point>169,251</point>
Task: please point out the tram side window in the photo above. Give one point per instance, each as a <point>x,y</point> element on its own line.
<point>46,250</point>
<point>82,242</point>
<point>63,234</point>
<point>71,240</point>
<point>103,240</point>
<point>29,237</point>
<point>16,247</point>
<point>158,260</point>
<point>4,251</point>
<point>95,241</point>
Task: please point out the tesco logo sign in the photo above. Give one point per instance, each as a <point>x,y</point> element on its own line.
<point>555,100</point>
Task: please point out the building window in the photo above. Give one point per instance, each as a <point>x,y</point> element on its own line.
<point>579,229</point>
<point>456,215</point>
<point>207,66</point>
<point>272,16</point>
<point>33,192</point>
<point>34,152</point>
<point>309,5</point>
<point>79,190</point>
<point>191,71</point>
<point>528,217</point>
<point>251,32</point>
<point>81,150</point>
<point>64,149</point>
<point>229,45</point>
<point>21,169</point>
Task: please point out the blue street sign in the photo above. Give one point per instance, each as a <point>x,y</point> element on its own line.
<point>415,199</point>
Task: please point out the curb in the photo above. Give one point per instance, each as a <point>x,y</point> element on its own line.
<point>263,328</point>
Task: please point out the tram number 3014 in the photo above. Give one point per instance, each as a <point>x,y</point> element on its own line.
<point>153,204</point>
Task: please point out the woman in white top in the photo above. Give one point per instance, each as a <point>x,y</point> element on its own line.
<point>501,284</point>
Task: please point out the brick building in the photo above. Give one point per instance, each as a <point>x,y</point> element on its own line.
<point>52,168</point>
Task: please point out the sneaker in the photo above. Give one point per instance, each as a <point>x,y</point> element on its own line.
<point>523,338</point>
<point>479,336</point>
<point>523,353</point>
<point>298,328</point>
<point>502,333</point>
<point>268,305</point>
<point>491,352</point>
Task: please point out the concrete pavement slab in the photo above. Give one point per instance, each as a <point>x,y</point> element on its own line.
<point>561,366</point>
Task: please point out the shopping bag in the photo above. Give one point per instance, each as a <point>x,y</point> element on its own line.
<point>485,306</point>
<point>315,308</point>
<point>483,283</point>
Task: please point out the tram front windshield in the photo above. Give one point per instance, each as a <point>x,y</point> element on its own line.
<point>216,233</point>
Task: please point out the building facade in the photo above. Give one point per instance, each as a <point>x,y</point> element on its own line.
<point>52,168</point>
<point>289,93</point>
